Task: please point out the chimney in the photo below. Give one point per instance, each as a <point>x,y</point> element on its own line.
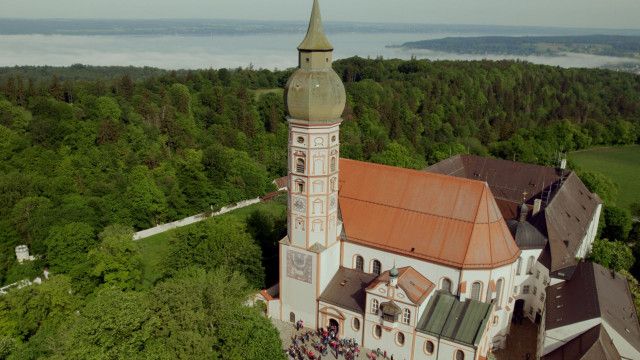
<point>537,206</point>
<point>563,164</point>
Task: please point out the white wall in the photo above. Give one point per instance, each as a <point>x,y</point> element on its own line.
<point>298,296</point>
<point>587,241</point>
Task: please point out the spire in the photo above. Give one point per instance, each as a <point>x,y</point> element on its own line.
<point>315,40</point>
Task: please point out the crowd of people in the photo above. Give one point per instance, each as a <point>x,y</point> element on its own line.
<point>325,343</point>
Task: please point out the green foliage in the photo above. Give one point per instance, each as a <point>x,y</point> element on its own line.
<point>67,246</point>
<point>267,229</point>
<point>214,243</point>
<point>618,223</point>
<point>600,184</point>
<point>117,261</point>
<point>397,155</point>
<point>614,255</point>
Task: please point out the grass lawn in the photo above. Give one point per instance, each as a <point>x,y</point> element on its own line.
<point>621,164</point>
<point>154,248</point>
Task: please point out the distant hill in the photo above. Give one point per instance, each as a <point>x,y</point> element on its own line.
<point>607,45</point>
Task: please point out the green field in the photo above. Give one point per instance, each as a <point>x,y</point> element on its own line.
<point>154,248</point>
<point>621,164</point>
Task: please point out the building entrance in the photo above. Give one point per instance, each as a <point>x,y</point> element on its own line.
<point>333,324</point>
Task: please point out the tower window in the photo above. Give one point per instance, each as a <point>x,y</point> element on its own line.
<point>406,316</point>
<point>300,185</point>
<point>292,317</point>
<point>376,267</point>
<point>476,288</point>
<point>300,140</point>
<point>333,164</point>
<point>377,331</point>
<point>307,59</point>
<point>300,166</point>
<point>446,285</point>
<point>359,263</point>
<point>400,338</point>
<point>374,306</point>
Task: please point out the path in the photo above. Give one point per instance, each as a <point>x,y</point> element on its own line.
<point>192,219</point>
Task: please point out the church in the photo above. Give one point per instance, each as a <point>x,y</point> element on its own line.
<point>423,264</point>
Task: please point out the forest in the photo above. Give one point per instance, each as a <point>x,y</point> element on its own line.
<point>605,45</point>
<point>89,155</point>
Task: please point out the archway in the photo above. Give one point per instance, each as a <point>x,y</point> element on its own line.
<point>333,324</point>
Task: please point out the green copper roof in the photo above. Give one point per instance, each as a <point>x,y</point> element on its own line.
<point>450,319</point>
<point>315,40</point>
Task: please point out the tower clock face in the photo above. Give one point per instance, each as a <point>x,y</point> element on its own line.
<point>299,205</point>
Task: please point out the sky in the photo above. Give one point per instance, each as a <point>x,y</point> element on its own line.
<point>564,13</point>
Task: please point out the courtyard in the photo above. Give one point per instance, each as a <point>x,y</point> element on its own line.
<point>521,342</point>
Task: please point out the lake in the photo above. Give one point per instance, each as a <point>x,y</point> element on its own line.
<point>268,50</point>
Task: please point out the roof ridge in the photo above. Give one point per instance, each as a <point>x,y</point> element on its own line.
<point>421,172</point>
<point>415,211</point>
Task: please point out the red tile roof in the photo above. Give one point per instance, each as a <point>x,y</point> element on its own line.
<point>415,285</point>
<point>448,220</point>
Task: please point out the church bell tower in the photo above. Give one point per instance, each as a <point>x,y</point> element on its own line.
<point>315,99</point>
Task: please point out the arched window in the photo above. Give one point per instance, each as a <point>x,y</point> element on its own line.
<point>333,163</point>
<point>356,324</point>
<point>429,347</point>
<point>376,267</point>
<point>292,317</point>
<point>300,165</point>
<point>318,207</point>
<point>519,266</point>
<point>446,285</point>
<point>377,331</point>
<point>359,263</point>
<point>300,186</point>
<point>499,291</point>
<point>374,306</point>
<point>406,316</point>
<point>459,355</point>
<point>400,338</point>
<point>530,265</point>
<point>476,289</point>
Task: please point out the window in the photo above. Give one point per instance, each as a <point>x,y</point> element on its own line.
<point>525,289</point>
<point>300,185</point>
<point>333,138</point>
<point>374,306</point>
<point>377,331</point>
<point>292,317</point>
<point>300,166</point>
<point>400,338</point>
<point>359,263</point>
<point>376,267</point>
<point>300,140</point>
<point>476,289</point>
<point>499,286</point>
<point>406,316</point>
<point>535,290</point>
<point>429,347</point>
<point>530,265</point>
<point>515,289</point>
<point>446,285</point>
<point>356,324</point>
<point>333,164</point>
<point>459,355</point>
<point>519,266</point>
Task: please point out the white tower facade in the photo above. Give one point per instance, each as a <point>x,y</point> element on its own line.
<point>310,254</point>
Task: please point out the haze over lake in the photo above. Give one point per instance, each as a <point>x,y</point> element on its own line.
<point>185,44</point>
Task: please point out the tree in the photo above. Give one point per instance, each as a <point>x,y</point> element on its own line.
<point>618,223</point>
<point>107,108</point>
<point>67,246</point>
<point>146,201</point>
<point>204,315</point>
<point>214,243</point>
<point>614,255</point>
<point>117,261</point>
<point>600,184</point>
<point>32,218</point>
<point>396,154</point>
